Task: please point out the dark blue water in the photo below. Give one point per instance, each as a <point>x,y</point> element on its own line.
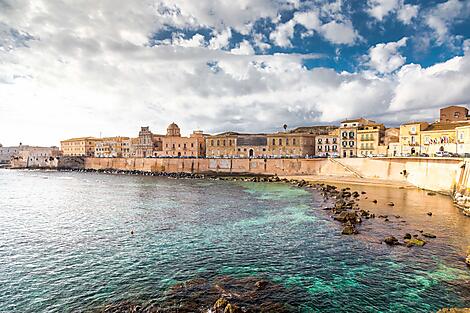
<point>66,244</point>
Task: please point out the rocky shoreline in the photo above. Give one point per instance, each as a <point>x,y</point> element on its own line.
<point>223,294</point>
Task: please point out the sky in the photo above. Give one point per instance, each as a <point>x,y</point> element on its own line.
<point>105,68</point>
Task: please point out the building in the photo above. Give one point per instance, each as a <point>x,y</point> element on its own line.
<point>175,145</point>
<point>147,144</point>
<point>36,157</point>
<point>290,144</point>
<point>84,146</point>
<point>236,145</point>
<point>328,144</point>
<point>391,135</point>
<point>442,137</point>
<point>348,136</point>
<point>410,138</point>
<point>453,113</point>
<point>462,135</point>
<point>370,140</point>
<point>112,147</point>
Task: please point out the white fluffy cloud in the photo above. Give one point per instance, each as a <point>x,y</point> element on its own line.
<point>385,58</point>
<point>77,70</point>
<point>339,31</point>
<point>444,14</point>
<point>379,9</point>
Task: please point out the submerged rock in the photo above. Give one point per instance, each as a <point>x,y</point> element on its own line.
<point>428,235</point>
<point>349,230</point>
<point>415,242</point>
<point>391,240</point>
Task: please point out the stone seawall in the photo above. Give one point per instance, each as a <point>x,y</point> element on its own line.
<point>442,175</point>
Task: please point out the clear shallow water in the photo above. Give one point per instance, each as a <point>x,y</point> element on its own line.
<point>65,244</point>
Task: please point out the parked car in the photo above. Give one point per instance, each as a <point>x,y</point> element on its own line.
<point>424,155</point>
<point>442,154</point>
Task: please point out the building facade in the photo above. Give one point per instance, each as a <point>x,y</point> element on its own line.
<point>410,138</point>
<point>327,145</point>
<point>453,113</point>
<point>112,147</point>
<point>84,146</point>
<point>348,136</point>
<point>147,144</point>
<point>290,144</point>
<point>441,137</point>
<point>236,145</point>
<point>371,140</point>
<point>175,145</point>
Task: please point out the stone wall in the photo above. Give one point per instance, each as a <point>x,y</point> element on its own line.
<point>443,175</point>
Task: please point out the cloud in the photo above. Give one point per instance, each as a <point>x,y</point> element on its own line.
<point>70,70</point>
<point>384,57</point>
<point>339,31</point>
<point>443,15</point>
<point>379,9</point>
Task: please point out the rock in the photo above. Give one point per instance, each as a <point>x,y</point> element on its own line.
<point>261,284</point>
<point>375,201</point>
<point>220,305</point>
<point>355,194</point>
<point>340,204</point>
<point>407,236</point>
<point>346,216</point>
<point>232,308</point>
<point>467,260</point>
<point>363,192</point>
<point>390,240</point>
<point>383,216</point>
<point>391,203</point>
<point>431,193</point>
<point>429,213</point>
<point>349,230</point>
<point>415,242</point>
<point>428,235</point>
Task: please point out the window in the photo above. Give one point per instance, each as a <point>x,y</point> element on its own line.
<point>293,141</point>
<point>212,142</point>
<point>351,143</point>
<point>287,141</point>
<point>319,141</point>
<point>345,134</point>
<point>184,146</point>
<point>274,142</point>
<point>218,143</point>
<point>345,143</point>
<point>456,114</point>
<point>223,143</point>
<point>351,134</point>
<point>280,141</point>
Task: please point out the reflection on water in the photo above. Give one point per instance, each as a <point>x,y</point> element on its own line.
<point>66,243</point>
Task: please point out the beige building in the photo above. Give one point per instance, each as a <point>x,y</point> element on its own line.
<point>84,146</point>
<point>236,145</point>
<point>32,157</point>
<point>174,145</point>
<point>348,136</point>
<point>370,140</point>
<point>290,144</point>
<point>328,144</point>
<point>112,147</point>
<point>147,144</point>
<point>410,138</point>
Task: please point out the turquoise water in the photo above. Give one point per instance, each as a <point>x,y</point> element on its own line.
<point>66,245</point>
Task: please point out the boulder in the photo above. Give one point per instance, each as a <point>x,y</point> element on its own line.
<point>349,230</point>
<point>375,201</point>
<point>232,308</point>
<point>391,203</point>
<point>407,236</point>
<point>428,235</point>
<point>390,240</point>
<point>415,242</point>
<point>348,216</point>
<point>429,213</point>
<point>467,260</point>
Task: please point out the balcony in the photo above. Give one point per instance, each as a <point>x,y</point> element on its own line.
<point>413,132</point>
<point>367,139</point>
<point>367,148</point>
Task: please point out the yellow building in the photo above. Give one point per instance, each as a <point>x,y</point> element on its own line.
<point>410,138</point>
<point>370,139</point>
<point>441,137</point>
<point>112,147</point>
<point>463,139</point>
<point>84,146</point>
